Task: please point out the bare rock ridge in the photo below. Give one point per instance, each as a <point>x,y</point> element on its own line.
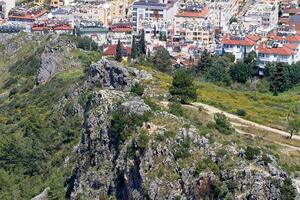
<point>56,58</point>
<point>158,170</point>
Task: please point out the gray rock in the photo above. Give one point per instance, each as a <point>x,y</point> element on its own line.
<point>136,106</point>
<point>43,195</point>
<point>109,74</point>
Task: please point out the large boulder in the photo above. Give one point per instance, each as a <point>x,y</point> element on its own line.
<point>109,74</point>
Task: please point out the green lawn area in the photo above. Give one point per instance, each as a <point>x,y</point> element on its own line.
<point>263,108</point>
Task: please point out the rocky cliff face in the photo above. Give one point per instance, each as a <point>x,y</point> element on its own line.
<point>184,164</point>
<point>55,58</point>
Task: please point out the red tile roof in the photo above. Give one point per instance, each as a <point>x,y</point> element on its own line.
<point>284,50</point>
<point>28,16</point>
<point>250,40</point>
<point>290,39</point>
<point>201,14</point>
<point>291,10</point>
<point>121,29</point>
<point>112,49</point>
<point>292,46</point>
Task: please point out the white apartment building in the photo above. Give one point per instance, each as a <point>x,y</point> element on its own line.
<point>239,45</point>
<point>221,11</point>
<point>272,51</point>
<point>153,16</point>
<point>261,16</point>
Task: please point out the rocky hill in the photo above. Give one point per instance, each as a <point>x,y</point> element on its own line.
<point>73,126</point>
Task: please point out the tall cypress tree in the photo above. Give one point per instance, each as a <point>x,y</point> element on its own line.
<point>119,52</point>
<point>134,50</point>
<point>142,44</point>
<point>278,77</point>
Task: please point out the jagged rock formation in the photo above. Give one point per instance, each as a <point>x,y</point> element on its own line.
<point>160,156</point>
<point>158,171</point>
<point>56,58</point>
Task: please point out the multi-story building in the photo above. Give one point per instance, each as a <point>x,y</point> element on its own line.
<point>94,30</point>
<point>5,7</point>
<point>52,26</point>
<point>118,9</point>
<point>221,11</point>
<point>153,16</point>
<point>273,51</point>
<point>56,3</point>
<point>239,45</point>
<point>261,16</point>
<point>120,31</point>
<point>191,24</point>
<point>24,14</point>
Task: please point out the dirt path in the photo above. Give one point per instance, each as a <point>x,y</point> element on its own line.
<point>212,110</point>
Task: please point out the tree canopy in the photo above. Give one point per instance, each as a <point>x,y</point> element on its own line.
<point>183,87</point>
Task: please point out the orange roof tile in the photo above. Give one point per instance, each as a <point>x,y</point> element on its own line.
<point>250,40</point>
<point>112,49</point>
<point>276,51</point>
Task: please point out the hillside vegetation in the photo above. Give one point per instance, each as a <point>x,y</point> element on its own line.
<point>75,126</point>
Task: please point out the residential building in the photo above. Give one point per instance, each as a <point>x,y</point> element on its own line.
<point>24,14</point>
<point>120,31</point>
<point>111,51</point>
<point>94,30</point>
<point>52,26</point>
<point>261,16</point>
<point>56,3</point>
<point>191,24</point>
<point>273,51</point>
<point>240,45</point>
<point>153,16</point>
<point>221,11</point>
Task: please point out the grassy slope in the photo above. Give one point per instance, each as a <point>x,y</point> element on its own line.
<point>35,138</point>
<point>263,108</point>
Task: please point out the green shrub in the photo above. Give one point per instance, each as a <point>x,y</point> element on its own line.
<point>165,135</point>
<point>231,185</point>
<point>183,149</point>
<point>252,152</point>
<point>153,105</point>
<point>266,159</point>
<point>241,112</point>
<point>137,89</point>
<point>222,124</point>
<point>11,81</point>
<point>176,109</point>
<point>124,124</point>
<point>143,140</point>
<point>200,167</point>
<point>287,191</point>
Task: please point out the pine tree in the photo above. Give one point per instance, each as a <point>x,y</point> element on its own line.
<point>205,61</point>
<point>119,52</point>
<point>183,87</point>
<point>134,49</point>
<point>278,77</point>
<point>142,44</point>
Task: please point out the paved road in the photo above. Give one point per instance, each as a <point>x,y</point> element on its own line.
<point>212,110</point>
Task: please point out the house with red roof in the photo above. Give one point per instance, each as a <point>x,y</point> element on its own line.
<point>56,26</point>
<point>239,45</point>
<point>120,31</point>
<point>111,51</point>
<point>191,25</point>
<point>273,51</point>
